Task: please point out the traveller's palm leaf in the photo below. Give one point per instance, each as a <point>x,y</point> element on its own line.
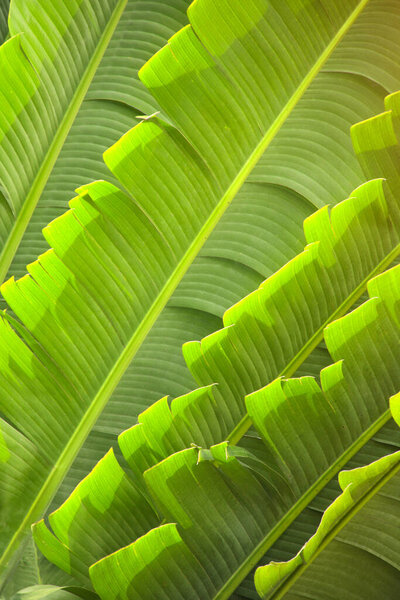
<point>88,305</point>
<point>232,503</point>
<point>355,552</point>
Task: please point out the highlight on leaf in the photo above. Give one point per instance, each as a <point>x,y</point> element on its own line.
<point>232,498</point>
<point>357,534</point>
<point>250,106</point>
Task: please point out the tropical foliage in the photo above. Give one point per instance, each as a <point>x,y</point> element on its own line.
<point>231,503</point>
<point>203,201</point>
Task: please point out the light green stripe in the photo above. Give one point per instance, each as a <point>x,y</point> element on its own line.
<point>25,214</point>
<point>58,472</point>
<point>342,523</point>
<point>66,458</point>
<point>297,508</point>
<point>245,423</point>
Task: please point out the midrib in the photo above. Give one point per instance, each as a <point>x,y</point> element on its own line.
<point>282,525</point>
<point>245,423</point>
<point>335,531</point>
<point>24,216</point>
<point>66,458</point>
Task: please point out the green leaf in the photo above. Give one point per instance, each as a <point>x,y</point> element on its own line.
<point>260,232</point>
<point>108,107</point>
<point>230,506</point>
<point>4,8</point>
<point>97,511</point>
<point>227,515</point>
<point>25,574</point>
<point>272,331</point>
<point>310,155</point>
<point>88,305</point>
<point>52,592</point>
<point>356,539</point>
<point>46,72</point>
<point>173,558</point>
<point>308,433</point>
<point>51,95</point>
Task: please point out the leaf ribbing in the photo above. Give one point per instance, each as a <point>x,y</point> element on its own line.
<point>83,352</point>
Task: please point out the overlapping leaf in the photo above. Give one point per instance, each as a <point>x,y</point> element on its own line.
<point>270,332</point>
<point>262,229</point>
<point>355,550</point>
<point>50,66</point>
<point>231,504</point>
<point>110,106</point>
<point>77,358</point>
<point>309,159</point>
<point>45,73</point>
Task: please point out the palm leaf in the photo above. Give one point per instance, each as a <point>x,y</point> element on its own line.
<point>252,240</point>
<point>355,549</point>
<point>75,70</point>
<point>228,505</point>
<point>48,73</point>
<point>84,110</point>
<point>64,352</point>
<point>271,331</point>
<point>308,163</point>
<point>231,505</point>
